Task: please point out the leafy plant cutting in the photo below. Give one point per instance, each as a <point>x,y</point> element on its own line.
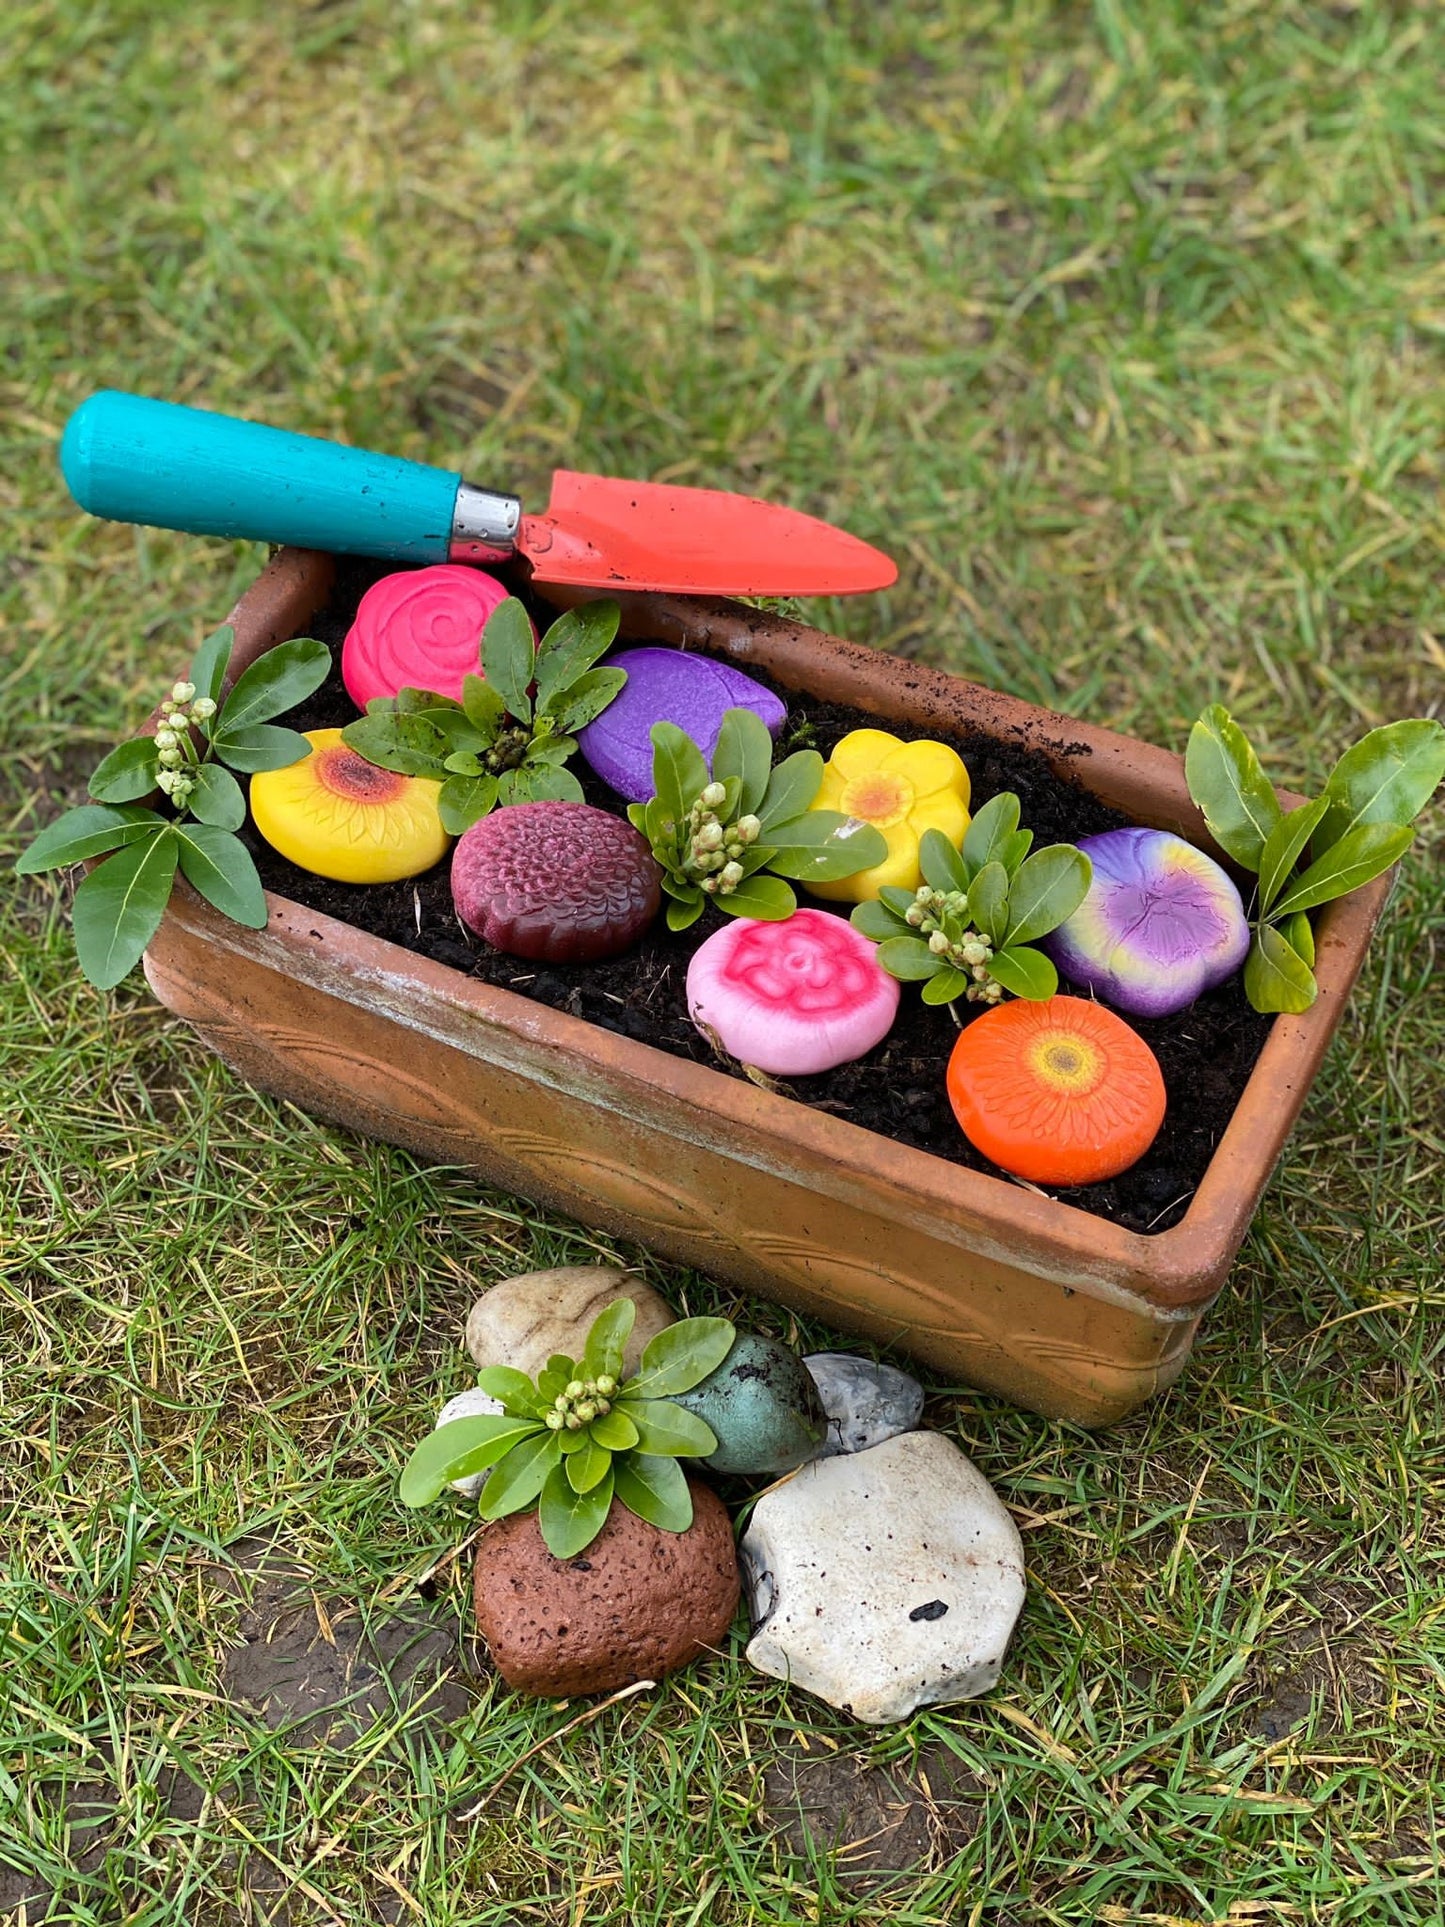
<point>716,832</point>
<point>1352,832</point>
<point>199,739</point>
<point>581,1435</point>
<point>509,737</point>
<point>968,930</point>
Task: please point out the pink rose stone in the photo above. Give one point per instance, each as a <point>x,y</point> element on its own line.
<point>419,629</point>
<point>791,998</point>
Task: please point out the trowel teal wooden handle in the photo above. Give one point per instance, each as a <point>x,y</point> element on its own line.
<point>130,459</point>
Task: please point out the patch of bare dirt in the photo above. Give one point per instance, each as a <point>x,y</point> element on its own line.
<point>878,1820</point>
<point>318,1666</point>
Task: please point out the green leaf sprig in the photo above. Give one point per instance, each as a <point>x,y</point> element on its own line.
<point>582,1435</point>
<point>1349,834</point>
<point>201,737</point>
<point>508,738</point>
<point>968,930</point>
<point>716,832</point>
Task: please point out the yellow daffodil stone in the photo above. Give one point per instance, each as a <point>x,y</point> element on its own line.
<point>900,788</point>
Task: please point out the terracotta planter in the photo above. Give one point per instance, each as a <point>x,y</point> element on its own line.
<point>1051,1306</point>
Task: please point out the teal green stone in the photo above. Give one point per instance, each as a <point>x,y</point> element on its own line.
<point>763,1405</point>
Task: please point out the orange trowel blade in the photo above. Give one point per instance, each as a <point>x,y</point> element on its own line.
<point>601,533</point>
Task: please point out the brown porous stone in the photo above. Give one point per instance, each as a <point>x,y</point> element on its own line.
<point>635,1604</point>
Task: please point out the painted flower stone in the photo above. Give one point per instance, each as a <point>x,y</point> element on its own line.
<point>1161,924</point>
<point>903,790</point>
<point>667,686</point>
<point>419,629</point>
<point>794,997</point>
<point>555,882</point>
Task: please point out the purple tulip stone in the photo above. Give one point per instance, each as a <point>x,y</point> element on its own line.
<point>1161,924</point>
<point>667,686</point>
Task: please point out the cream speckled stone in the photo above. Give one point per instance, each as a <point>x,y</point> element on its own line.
<point>469,1404</point>
<point>523,1321</point>
<point>884,1580</point>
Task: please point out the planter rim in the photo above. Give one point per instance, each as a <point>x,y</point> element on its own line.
<point>1184,1265</point>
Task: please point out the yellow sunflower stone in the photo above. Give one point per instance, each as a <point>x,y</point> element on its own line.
<point>902,789</point>
<point>337,815</point>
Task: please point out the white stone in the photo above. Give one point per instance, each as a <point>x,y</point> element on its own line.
<point>884,1580</point>
<point>470,1404</point>
<point>523,1321</point>
<point>865,1402</point>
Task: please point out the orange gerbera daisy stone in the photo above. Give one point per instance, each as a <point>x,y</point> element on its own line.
<point>1058,1092</point>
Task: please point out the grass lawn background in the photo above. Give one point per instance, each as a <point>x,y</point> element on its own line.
<point>1120,326</point>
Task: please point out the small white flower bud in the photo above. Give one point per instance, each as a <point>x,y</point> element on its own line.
<point>166,739</point>
<point>708,838</point>
<point>914,916</point>
<point>607,1384</point>
<point>574,1388</point>
<point>974,953</point>
<point>713,796</point>
<point>749,829</point>
<point>203,709</point>
<point>709,884</point>
<point>923,894</point>
<point>731,877</point>
<point>572,1422</point>
<point>554,1421</point>
<point>938,944</point>
<point>587,1411</point>
<point>166,780</point>
<point>979,973</point>
<point>170,759</point>
<point>183,691</point>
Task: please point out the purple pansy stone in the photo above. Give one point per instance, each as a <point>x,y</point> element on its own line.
<point>667,686</point>
<point>1161,923</point>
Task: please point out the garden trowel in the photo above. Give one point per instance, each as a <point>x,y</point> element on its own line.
<point>135,460</point>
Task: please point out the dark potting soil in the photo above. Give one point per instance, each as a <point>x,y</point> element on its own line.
<point>1206,1052</point>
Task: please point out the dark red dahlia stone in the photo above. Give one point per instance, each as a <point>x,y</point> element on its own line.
<point>555,882</point>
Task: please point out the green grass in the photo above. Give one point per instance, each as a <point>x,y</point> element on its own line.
<point>1121,326</point>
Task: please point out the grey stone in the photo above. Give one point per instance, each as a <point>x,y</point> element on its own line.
<point>865,1402</point>
<point>468,1404</point>
<point>523,1321</point>
<point>884,1580</point>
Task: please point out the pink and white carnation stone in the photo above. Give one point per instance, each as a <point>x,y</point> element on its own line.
<point>791,998</point>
